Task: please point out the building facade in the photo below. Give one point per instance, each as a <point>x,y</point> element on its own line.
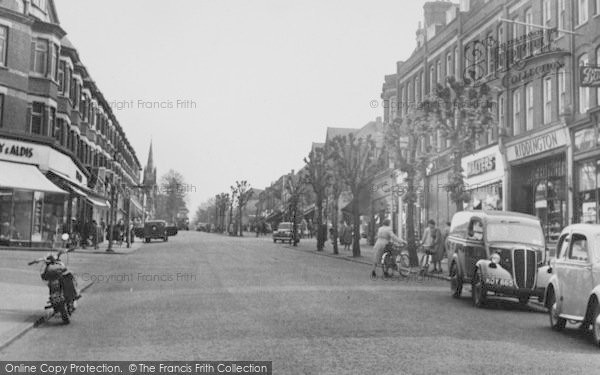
<point>64,160</point>
<point>540,59</point>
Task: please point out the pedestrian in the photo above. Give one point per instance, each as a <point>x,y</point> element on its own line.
<point>94,233</point>
<point>445,234</point>
<point>385,235</point>
<point>102,229</point>
<point>346,236</point>
<point>432,239</point>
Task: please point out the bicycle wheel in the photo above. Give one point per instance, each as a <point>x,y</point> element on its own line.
<point>425,261</point>
<point>404,265</point>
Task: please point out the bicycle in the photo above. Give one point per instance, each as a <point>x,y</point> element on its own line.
<point>425,260</point>
<point>394,258</point>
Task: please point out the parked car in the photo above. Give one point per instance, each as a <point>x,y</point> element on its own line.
<point>573,294</point>
<point>497,252</point>
<point>155,229</point>
<point>284,233</point>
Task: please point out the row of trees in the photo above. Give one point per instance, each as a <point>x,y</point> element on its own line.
<point>225,211</point>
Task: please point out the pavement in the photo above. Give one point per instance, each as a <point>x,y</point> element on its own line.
<point>24,294</point>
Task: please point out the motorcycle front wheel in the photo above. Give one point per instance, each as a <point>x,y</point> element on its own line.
<point>64,313</point>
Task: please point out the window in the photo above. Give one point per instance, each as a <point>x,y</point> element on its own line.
<point>562,95</point>
<point>3,44</point>
<point>456,64</point>
<point>546,12</point>
<point>431,79</point>
<point>516,112</point>
<point>562,246</point>
<point>528,30</point>
<point>598,64</point>
<point>53,71</point>
<point>529,107</point>
<point>51,121</point>
<point>39,58</point>
<point>422,79</point>
<point>490,54</point>
<point>597,6</point>
<point>61,76</point>
<point>1,109</point>
<point>501,112</point>
<point>501,50</point>
<point>582,11</point>
<point>562,15</point>
<point>584,92</point>
<point>579,248</point>
<point>547,97</point>
<point>58,130</point>
<point>40,4</point>
<point>37,118</point>
<point>439,71</point>
<point>448,64</point>
<point>392,108</point>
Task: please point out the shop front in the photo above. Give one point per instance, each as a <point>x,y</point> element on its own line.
<point>438,201</point>
<point>586,150</point>
<point>34,208</point>
<point>484,178</point>
<point>538,177</point>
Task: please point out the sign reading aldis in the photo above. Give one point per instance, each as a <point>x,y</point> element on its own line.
<point>14,150</point>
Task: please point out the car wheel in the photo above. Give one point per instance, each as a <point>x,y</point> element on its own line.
<point>556,322</point>
<point>596,323</point>
<point>456,283</point>
<point>147,240</point>
<point>478,292</point>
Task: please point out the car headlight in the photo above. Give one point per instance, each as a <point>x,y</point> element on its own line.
<point>495,258</point>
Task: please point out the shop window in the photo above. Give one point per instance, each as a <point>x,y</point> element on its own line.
<point>53,217</point>
<point>585,139</point>
<point>6,214</point>
<point>587,191</point>
<point>22,214</point>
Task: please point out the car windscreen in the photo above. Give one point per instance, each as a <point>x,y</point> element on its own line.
<point>285,226</point>
<point>515,232</point>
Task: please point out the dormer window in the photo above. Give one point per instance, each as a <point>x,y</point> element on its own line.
<point>40,4</point>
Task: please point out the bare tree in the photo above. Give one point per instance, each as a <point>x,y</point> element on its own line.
<point>317,176</point>
<point>295,188</point>
<point>243,192</point>
<point>357,162</point>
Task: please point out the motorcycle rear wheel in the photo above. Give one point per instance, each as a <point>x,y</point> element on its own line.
<point>64,313</point>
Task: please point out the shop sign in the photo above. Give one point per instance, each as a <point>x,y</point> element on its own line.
<point>15,150</point>
<point>481,166</point>
<point>589,76</point>
<point>537,145</point>
<point>515,78</point>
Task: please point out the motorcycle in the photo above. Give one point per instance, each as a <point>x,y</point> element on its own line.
<point>62,285</point>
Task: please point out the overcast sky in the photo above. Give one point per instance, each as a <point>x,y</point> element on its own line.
<point>266,77</point>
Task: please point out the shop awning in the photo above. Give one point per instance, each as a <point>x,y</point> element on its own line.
<point>98,202</point>
<point>26,177</point>
<point>67,184</point>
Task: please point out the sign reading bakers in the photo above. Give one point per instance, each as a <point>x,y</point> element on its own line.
<point>589,76</point>
<point>537,145</point>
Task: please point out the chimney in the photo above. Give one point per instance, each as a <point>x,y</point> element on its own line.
<point>435,12</point>
<point>420,35</point>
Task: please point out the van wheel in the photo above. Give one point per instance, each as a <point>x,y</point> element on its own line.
<point>456,283</point>
<point>556,322</point>
<point>478,292</point>
<point>147,240</point>
<point>596,323</point>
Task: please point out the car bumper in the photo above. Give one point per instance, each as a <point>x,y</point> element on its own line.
<point>514,292</point>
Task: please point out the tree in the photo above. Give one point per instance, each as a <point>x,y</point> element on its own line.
<point>172,196</point>
<point>317,176</point>
<point>294,187</point>
<point>243,192</point>
<point>335,188</point>
<point>357,163</point>
<point>462,113</point>
<point>230,226</point>
<point>404,145</point>
<point>221,205</point>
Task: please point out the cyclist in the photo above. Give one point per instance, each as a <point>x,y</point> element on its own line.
<point>385,235</point>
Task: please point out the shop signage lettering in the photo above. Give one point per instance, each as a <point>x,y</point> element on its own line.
<point>589,76</point>
<point>512,79</point>
<point>481,166</point>
<point>536,145</point>
<point>20,151</point>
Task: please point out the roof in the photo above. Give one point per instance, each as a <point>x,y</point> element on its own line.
<point>499,215</point>
<point>585,228</point>
<point>334,132</point>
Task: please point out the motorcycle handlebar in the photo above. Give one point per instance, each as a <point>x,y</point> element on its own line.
<point>35,261</point>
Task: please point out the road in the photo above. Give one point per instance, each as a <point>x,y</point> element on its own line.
<point>211,297</point>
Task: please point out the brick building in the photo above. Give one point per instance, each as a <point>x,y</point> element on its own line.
<point>542,156</point>
<point>62,151</point>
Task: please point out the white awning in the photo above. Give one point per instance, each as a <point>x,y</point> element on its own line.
<point>26,177</point>
<point>98,202</point>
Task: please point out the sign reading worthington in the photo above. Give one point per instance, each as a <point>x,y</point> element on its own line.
<point>589,76</point>
<point>537,144</point>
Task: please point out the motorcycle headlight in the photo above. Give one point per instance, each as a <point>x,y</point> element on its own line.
<point>496,258</point>
<point>65,236</point>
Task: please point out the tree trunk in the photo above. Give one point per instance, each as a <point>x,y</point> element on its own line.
<point>410,220</point>
<point>460,189</point>
<point>241,224</point>
<point>356,225</point>
<point>319,223</point>
<point>334,227</point>
<point>294,225</point>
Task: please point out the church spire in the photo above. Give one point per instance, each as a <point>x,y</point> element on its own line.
<point>150,163</point>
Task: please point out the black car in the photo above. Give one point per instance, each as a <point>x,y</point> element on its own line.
<point>156,229</point>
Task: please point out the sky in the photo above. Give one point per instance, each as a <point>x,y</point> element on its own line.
<point>236,89</point>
